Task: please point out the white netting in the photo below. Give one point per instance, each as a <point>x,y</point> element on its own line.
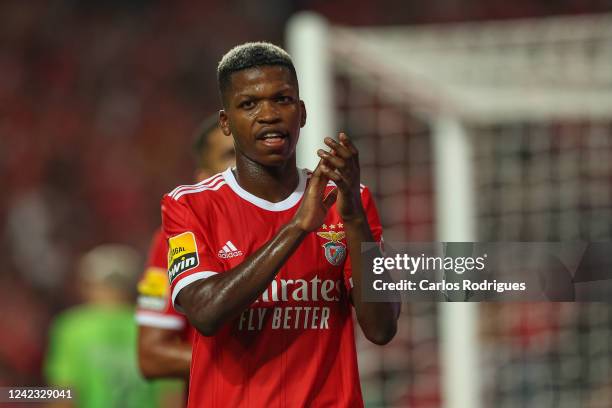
<point>488,72</point>
<point>535,98</point>
<point>396,163</point>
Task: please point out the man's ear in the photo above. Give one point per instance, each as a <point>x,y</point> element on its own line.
<point>224,123</point>
<point>303,118</point>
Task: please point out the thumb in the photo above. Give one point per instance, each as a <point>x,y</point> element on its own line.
<point>318,180</point>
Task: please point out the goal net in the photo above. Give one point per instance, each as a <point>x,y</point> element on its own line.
<point>490,131</point>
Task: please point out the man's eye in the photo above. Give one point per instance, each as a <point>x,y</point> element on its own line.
<point>247,104</point>
<point>284,99</point>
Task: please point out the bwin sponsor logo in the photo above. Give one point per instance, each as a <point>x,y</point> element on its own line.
<point>181,265</point>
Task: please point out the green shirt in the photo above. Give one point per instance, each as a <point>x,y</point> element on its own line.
<point>93,350</point>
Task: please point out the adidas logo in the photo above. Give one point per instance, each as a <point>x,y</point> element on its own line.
<point>229,251</point>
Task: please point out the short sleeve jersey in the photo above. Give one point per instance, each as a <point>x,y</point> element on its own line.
<point>294,346</point>
<point>154,301</point>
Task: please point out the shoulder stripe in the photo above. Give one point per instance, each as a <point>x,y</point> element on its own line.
<point>195,187</point>
<point>205,182</point>
<point>199,189</point>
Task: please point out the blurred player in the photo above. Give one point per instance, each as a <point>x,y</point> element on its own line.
<point>93,346</point>
<point>164,346</point>
<point>258,254</point>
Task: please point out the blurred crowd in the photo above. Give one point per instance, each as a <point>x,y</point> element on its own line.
<point>98,104</point>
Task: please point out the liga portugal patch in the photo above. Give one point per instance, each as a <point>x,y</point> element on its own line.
<point>182,254</point>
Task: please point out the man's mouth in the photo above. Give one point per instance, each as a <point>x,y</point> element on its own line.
<point>273,138</point>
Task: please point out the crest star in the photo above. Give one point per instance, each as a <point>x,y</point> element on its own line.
<point>341,225</point>
<point>333,226</point>
<point>324,226</point>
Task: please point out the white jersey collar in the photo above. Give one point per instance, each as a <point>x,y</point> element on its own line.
<point>286,204</point>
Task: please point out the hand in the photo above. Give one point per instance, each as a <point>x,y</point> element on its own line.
<point>341,164</point>
<point>315,205</point>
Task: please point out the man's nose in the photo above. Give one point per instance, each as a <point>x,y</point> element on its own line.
<point>268,112</point>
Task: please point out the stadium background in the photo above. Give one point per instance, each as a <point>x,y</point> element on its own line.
<point>98,102</point>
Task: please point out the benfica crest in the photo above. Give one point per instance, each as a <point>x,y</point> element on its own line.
<point>335,251</point>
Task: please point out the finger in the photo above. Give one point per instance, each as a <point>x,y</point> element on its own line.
<point>339,167</point>
<point>346,142</point>
<point>335,176</point>
<point>335,161</point>
<point>317,173</point>
<point>340,150</point>
<point>318,179</point>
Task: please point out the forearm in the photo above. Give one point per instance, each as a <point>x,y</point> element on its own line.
<point>378,320</point>
<point>212,302</point>
<point>162,353</point>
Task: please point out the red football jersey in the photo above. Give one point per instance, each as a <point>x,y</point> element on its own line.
<point>154,301</point>
<point>294,346</point>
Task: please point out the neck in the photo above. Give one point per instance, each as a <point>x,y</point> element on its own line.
<point>274,183</point>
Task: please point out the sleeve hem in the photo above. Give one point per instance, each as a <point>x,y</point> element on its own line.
<point>187,280</point>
